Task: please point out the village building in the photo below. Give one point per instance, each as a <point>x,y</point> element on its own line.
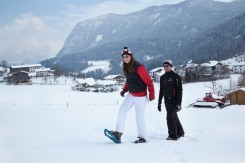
<point>237,96</point>
<point>44,72</point>
<point>27,68</point>
<point>118,78</point>
<point>19,77</point>
<point>211,67</point>
<point>240,57</point>
<point>156,73</point>
<point>106,86</point>
<point>90,85</point>
<point>238,67</point>
<point>228,63</point>
<point>181,70</point>
<point>34,70</point>
<point>191,67</point>
<point>83,83</point>
<point>187,68</point>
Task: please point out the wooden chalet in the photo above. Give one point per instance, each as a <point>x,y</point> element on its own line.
<point>237,96</point>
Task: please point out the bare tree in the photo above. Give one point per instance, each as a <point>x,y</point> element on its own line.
<point>225,72</point>
<point>241,80</point>
<point>4,64</point>
<point>214,86</point>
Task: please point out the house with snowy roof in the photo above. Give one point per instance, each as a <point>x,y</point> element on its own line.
<point>36,70</point>
<point>83,83</point>
<point>228,63</point>
<point>27,68</point>
<point>106,86</point>
<point>211,66</point>
<point>156,73</point>
<point>235,64</point>
<point>19,77</point>
<point>237,96</point>
<point>44,72</point>
<point>189,67</point>
<point>118,78</point>
<point>238,67</point>
<point>89,84</point>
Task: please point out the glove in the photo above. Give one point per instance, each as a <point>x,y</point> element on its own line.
<point>159,107</point>
<point>178,108</point>
<point>122,93</point>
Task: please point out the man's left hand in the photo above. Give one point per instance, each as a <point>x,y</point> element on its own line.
<point>178,108</point>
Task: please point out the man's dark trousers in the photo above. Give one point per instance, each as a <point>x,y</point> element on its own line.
<point>175,128</point>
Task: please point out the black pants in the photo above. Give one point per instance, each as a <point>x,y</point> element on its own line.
<point>175,128</point>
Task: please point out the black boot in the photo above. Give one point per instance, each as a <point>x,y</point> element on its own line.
<point>172,138</point>
<point>117,135</point>
<point>141,140</point>
<point>181,135</point>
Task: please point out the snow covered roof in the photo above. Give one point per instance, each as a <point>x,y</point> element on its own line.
<point>42,69</point>
<point>228,61</point>
<point>210,63</point>
<point>191,65</point>
<point>156,69</point>
<point>89,81</point>
<point>182,66</point>
<point>21,72</point>
<point>160,73</point>
<point>29,65</point>
<point>237,90</point>
<point>110,77</point>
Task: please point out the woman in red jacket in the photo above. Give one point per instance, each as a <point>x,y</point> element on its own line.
<point>137,82</point>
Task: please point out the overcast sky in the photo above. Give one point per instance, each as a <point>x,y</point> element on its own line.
<point>39,27</point>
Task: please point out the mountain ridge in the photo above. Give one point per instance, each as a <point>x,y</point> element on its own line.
<point>157,32</point>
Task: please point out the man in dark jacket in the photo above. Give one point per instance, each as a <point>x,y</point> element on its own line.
<point>171,90</point>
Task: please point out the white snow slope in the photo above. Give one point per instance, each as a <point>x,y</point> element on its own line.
<point>97,65</point>
<point>52,124</point>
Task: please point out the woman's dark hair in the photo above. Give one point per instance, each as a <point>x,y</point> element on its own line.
<point>129,67</point>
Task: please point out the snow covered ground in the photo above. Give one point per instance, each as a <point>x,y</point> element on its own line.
<point>52,124</point>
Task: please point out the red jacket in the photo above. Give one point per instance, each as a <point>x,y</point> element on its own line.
<point>147,80</point>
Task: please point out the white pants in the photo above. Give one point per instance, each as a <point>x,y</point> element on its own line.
<point>140,105</point>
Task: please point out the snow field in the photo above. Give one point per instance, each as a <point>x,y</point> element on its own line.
<point>37,125</point>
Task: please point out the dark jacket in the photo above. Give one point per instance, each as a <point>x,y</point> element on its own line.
<point>170,88</point>
<point>134,82</point>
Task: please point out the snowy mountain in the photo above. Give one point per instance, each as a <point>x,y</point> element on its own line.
<point>157,32</point>
<point>221,42</point>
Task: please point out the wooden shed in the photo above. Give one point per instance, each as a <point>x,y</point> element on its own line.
<point>237,96</point>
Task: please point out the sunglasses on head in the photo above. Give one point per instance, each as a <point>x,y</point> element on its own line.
<point>125,56</point>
